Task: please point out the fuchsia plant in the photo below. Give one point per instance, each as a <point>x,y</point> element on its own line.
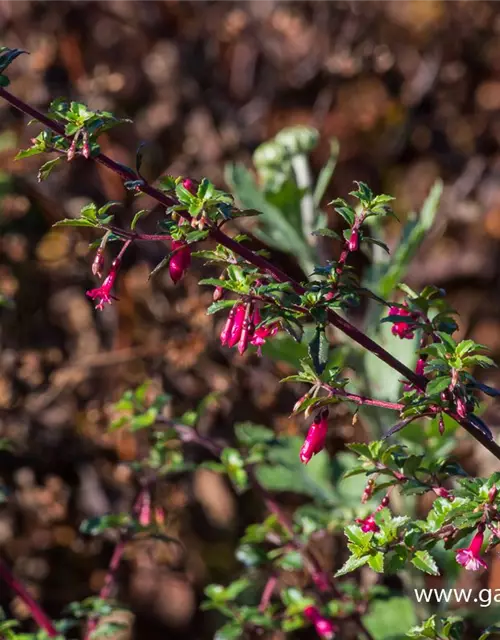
<point>266,305</point>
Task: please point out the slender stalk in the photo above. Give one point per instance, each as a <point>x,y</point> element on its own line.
<point>127,174</point>
<point>114,565</point>
<point>267,593</point>
<point>37,613</point>
<point>190,435</point>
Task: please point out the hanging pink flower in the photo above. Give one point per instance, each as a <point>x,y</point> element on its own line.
<point>260,334</point>
<point>237,326</point>
<point>470,558</point>
<point>103,293</point>
<point>316,437</point>
<point>353,243</point>
<point>368,524</point>
<point>402,329</point>
<point>180,261</point>
<point>324,628</point>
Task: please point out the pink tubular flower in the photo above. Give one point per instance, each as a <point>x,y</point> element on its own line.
<point>443,493</point>
<point>260,334</point>
<point>180,261</point>
<point>316,437</point>
<point>246,330</point>
<point>470,558</point>
<point>228,326</point>
<point>353,243</point>
<point>368,524</point>
<point>237,326</point>
<point>402,329</point>
<point>103,293</point>
<point>324,628</point>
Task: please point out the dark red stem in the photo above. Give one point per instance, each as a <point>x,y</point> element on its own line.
<point>337,321</point>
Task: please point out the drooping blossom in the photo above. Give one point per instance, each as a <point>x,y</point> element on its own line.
<point>316,437</point>
<point>180,261</point>
<point>443,493</point>
<point>470,558</point>
<point>368,524</point>
<point>237,326</point>
<point>103,293</point>
<point>325,628</point>
<point>246,329</point>
<point>260,334</point>
<point>353,242</point>
<point>402,329</point>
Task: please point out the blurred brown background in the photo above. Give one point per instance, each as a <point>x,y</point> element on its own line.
<point>412,91</point>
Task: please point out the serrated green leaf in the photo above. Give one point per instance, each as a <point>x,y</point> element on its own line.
<point>46,168</point>
<point>376,562</point>
<point>436,386</point>
<point>74,222</point>
<point>319,350</point>
<point>423,561</point>
<point>352,564</point>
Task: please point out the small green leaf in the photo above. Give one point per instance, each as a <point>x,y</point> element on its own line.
<point>46,168</point>
<point>352,564</point>
<point>425,562</point>
<point>74,222</point>
<point>436,386</point>
<point>376,562</point>
<point>319,350</point>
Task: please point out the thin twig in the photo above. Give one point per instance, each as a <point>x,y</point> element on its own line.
<point>37,613</point>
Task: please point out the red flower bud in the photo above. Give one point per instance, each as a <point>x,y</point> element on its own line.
<point>324,628</point>
<point>218,293</point>
<point>237,327</point>
<point>190,185</point>
<point>316,437</point>
<point>492,493</point>
<point>353,243</point>
<point>180,261</point>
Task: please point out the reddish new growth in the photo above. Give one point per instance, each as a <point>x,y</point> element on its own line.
<point>180,261</point>
<point>316,437</point>
<point>324,628</point>
<point>402,329</point>
<point>103,293</point>
<point>470,558</point>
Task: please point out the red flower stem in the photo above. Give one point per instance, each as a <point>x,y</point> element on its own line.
<point>127,174</point>
<point>190,435</point>
<point>267,594</point>
<point>363,400</point>
<point>114,564</point>
<point>37,613</point>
